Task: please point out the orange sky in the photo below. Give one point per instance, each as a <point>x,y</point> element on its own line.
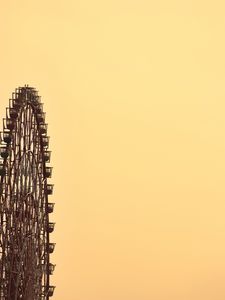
<point>135,98</point>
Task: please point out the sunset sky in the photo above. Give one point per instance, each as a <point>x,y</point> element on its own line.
<point>134,92</point>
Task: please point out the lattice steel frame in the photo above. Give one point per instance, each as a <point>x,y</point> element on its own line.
<point>25,266</point>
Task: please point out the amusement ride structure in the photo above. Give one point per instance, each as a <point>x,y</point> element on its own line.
<point>25,246</point>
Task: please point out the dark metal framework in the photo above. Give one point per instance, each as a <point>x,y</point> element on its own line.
<point>25,246</point>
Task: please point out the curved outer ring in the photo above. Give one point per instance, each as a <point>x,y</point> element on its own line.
<point>29,96</point>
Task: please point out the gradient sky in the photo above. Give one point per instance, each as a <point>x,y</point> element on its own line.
<point>134,92</point>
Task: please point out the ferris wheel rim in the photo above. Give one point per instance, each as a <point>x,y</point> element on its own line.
<point>29,94</point>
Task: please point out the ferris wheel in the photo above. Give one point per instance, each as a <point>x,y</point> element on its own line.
<point>25,246</point>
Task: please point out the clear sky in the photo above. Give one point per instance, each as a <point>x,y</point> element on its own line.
<point>135,97</point>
